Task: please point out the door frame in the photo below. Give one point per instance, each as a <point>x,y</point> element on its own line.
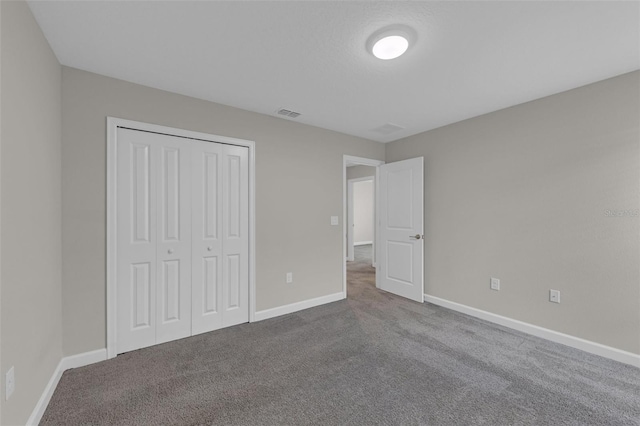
<point>112,191</point>
<point>350,218</point>
<point>350,160</point>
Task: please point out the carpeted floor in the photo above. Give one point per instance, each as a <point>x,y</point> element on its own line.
<point>371,359</point>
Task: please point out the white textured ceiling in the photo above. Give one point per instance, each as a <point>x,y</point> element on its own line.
<point>470,58</point>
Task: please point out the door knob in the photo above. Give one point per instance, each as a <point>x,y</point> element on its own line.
<point>416,237</point>
<point>209,248</point>
<point>170,251</point>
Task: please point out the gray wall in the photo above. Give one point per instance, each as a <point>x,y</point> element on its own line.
<point>521,194</point>
<point>31,210</point>
<point>355,172</point>
<point>363,211</point>
<point>293,222</point>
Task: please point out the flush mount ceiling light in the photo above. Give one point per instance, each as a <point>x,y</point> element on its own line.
<point>390,47</point>
<point>390,42</point>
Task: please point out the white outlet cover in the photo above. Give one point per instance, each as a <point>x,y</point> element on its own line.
<point>10,383</point>
<point>289,277</point>
<point>495,284</point>
<point>334,220</point>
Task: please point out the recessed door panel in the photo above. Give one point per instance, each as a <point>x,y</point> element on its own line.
<point>140,191</point>
<point>233,181</point>
<point>398,261</point>
<point>140,295</point>
<point>399,192</point>
<point>233,281</point>
<point>170,193</point>
<point>170,291</point>
<point>210,285</point>
<point>211,191</point>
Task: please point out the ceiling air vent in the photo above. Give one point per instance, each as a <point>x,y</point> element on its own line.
<point>387,129</point>
<point>288,113</point>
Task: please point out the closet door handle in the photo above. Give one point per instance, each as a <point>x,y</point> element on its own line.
<point>209,248</point>
<point>170,251</point>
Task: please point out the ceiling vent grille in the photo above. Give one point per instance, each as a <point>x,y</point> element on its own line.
<point>387,129</point>
<point>288,113</point>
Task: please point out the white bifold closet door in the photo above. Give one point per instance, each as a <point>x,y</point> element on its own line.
<point>182,262</point>
<point>220,192</point>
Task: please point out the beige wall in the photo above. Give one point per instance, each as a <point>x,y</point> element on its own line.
<point>521,194</point>
<point>355,172</point>
<point>31,211</point>
<point>363,208</point>
<point>293,223</point>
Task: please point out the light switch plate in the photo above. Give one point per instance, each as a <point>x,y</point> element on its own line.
<point>554,296</point>
<point>334,220</point>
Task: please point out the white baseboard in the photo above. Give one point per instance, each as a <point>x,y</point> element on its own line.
<point>66,363</point>
<point>298,306</point>
<point>554,336</point>
<point>80,360</point>
<point>362,243</point>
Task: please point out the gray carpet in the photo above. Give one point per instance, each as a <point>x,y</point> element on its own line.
<point>371,359</point>
<point>363,253</point>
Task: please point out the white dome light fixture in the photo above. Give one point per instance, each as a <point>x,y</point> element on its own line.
<point>390,47</point>
<point>390,42</point>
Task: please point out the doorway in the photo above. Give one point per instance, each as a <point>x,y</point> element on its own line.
<point>398,243</point>
<point>360,213</point>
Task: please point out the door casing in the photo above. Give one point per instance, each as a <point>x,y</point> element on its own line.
<point>112,125</point>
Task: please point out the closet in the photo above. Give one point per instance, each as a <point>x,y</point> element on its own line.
<point>182,237</point>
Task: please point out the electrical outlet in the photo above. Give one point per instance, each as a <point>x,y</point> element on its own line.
<point>495,284</point>
<point>554,296</point>
<point>10,383</point>
<point>289,277</point>
<point>334,221</point>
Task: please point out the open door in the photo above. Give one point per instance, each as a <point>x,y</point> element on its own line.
<point>401,227</point>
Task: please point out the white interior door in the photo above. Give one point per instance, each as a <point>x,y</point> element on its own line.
<point>207,236</point>
<point>400,268</point>
<point>136,234</point>
<point>154,239</point>
<point>235,235</point>
<point>220,236</point>
<point>182,237</point>
<point>173,299</point>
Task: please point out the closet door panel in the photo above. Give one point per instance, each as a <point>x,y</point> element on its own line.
<point>174,239</point>
<point>207,232</point>
<point>235,226</point>
<point>136,236</point>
